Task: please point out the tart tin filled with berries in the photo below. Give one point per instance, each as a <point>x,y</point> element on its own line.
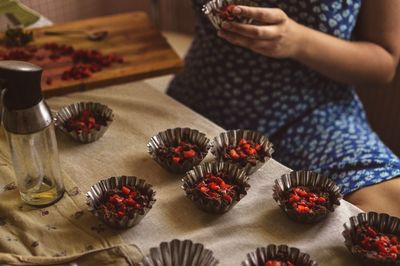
<point>121,202</point>
<point>374,238</point>
<point>179,252</point>
<point>215,187</point>
<point>245,148</point>
<point>179,149</point>
<point>282,255</point>
<point>85,122</point>
<point>219,11</point>
<point>306,196</point>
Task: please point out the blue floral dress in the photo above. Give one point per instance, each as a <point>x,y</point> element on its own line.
<point>315,123</point>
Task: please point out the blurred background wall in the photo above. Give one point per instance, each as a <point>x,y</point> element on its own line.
<point>174,15</point>
<point>382,104</point>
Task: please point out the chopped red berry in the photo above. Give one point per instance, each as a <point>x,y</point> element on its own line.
<point>385,246</point>
<point>125,190</point>
<point>216,188</point>
<point>86,122</point>
<point>189,154</point>
<point>226,12</point>
<point>181,153</point>
<point>176,159</point>
<point>84,62</point>
<point>303,200</point>
<point>279,263</point>
<point>245,152</point>
<point>126,201</point>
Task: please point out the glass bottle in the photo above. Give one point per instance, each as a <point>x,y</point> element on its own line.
<point>30,133</point>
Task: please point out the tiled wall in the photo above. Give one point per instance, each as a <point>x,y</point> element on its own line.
<point>67,10</point>
<point>175,15</point>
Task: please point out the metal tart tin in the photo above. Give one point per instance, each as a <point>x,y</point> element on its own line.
<point>307,179</point>
<point>172,137</point>
<point>95,193</point>
<point>179,253</point>
<point>192,177</point>
<point>76,109</point>
<point>383,223</point>
<point>211,9</point>
<point>282,252</point>
<point>233,137</point>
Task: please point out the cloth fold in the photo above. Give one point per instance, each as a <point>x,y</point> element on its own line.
<point>61,233</point>
<point>118,255</point>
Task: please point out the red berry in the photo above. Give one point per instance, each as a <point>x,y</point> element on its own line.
<point>130,202</point>
<point>233,154</point>
<point>204,189</point>
<point>189,154</point>
<point>176,159</point>
<point>393,249</point>
<point>273,263</point>
<point>213,186</point>
<point>178,149</point>
<point>227,198</point>
<point>125,190</point>
<point>321,200</point>
<point>116,199</point>
<point>246,146</point>
<point>294,198</point>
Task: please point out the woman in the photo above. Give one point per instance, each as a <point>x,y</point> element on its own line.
<point>292,76</point>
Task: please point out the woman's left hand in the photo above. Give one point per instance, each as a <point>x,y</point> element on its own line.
<point>278,36</point>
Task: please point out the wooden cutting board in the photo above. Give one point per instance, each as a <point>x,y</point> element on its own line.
<point>132,36</point>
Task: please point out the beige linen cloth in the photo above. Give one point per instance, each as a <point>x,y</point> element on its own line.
<point>141,112</point>
<point>61,234</point>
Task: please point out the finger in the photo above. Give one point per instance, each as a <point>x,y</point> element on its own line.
<point>252,31</point>
<point>236,38</point>
<point>266,15</point>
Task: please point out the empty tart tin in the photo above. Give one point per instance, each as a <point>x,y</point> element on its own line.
<point>305,196</point>
<point>179,253</point>
<point>215,187</point>
<point>179,149</point>
<point>102,194</point>
<point>223,144</point>
<point>85,122</point>
<point>219,11</point>
<point>281,253</point>
<point>374,238</point>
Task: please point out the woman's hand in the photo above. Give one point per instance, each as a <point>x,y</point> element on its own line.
<point>276,35</point>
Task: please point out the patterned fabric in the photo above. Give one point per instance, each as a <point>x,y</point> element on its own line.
<point>314,122</point>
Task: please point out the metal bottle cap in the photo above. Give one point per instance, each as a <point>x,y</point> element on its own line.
<point>24,110</point>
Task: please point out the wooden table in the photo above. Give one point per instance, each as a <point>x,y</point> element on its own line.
<point>145,51</point>
<point>141,112</point>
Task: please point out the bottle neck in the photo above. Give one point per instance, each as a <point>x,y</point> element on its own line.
<point>27,121</point>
